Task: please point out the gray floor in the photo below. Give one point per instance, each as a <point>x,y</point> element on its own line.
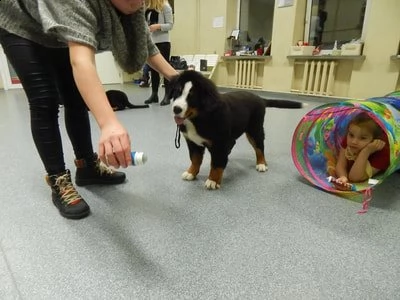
<point>262,236</point>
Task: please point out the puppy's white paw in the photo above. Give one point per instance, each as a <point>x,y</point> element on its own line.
<point>211,185</point>
<point>188,176</point>
<point>261,168</point>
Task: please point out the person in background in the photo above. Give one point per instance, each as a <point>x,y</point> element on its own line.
<point>145,80</point>
<point>364,151</point>
<point>52,46</point>
<point>322,17</point>
<point>160,20</point>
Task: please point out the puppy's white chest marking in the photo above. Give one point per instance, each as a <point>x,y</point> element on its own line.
<point>192,134</point>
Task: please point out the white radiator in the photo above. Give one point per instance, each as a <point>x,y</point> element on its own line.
<point>246,74</point>
<point>318,77</point>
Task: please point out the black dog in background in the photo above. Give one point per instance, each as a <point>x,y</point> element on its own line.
<point>119,100</point>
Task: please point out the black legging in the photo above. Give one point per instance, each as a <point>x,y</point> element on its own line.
<point>165,50</point>
<point>46,75</point>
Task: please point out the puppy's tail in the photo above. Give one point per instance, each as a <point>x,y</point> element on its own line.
<point>130,105</point>
<point>283,103</point>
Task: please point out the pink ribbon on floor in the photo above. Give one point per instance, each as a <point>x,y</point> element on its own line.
<point>367,197</point>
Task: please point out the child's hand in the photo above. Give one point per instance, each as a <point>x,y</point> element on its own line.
<point>374,146</point>
<point>342,183</point>
<point>342,180</point>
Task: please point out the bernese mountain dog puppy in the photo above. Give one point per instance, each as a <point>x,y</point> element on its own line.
<point>213,120</point>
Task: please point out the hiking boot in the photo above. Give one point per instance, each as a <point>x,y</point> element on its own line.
<point>153,99</point>
<point>65,197</point>
<point>94,171</point>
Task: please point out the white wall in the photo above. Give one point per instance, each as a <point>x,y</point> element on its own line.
<point>107,68</point>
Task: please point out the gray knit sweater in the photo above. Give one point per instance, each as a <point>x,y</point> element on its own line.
<point>52,23</point>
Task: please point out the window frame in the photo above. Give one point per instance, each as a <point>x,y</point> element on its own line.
<point>307,20</point>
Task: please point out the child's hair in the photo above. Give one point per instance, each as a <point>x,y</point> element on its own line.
<point>364,120</point>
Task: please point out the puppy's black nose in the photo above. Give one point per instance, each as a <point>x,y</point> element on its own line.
<point>177,110</point>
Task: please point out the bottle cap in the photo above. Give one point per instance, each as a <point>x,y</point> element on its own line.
<point>138,158</point>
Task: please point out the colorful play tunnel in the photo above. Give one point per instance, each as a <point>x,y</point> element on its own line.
<point>317,138</point>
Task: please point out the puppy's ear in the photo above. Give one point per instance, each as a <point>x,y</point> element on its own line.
<point>209,94</point>
<point>173,85</point>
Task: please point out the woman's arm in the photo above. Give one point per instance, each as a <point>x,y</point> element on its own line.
<point>114,144</point>
<point>158,63</point>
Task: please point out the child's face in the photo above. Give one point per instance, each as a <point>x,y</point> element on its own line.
<point>358,137</point>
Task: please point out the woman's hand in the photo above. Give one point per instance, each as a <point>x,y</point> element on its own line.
<point>154,27</point>
<point>115,145</point>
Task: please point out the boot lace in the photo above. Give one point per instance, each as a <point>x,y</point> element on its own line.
<point>68,193</point>
<point>103,168</point>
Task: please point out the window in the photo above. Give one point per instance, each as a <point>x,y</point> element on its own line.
<point>334,20</point>
<point>255,22</point>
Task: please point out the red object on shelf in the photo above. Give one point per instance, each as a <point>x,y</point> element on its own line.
<point>228,53</point>
<point>316,51</point>
<point>15,80</point>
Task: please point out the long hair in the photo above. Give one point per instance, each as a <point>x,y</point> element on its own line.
<point>157,5</point>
